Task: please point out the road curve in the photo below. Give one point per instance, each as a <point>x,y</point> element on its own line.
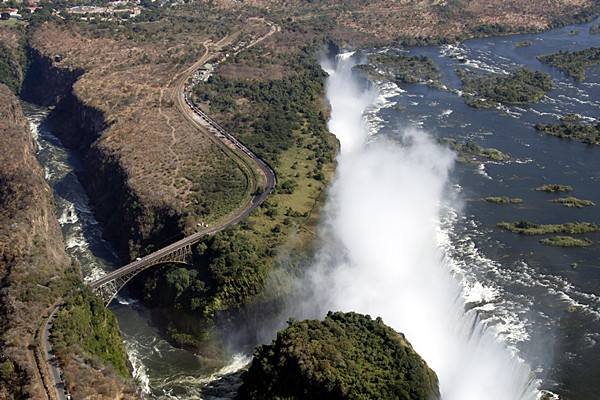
<point>232,146</point>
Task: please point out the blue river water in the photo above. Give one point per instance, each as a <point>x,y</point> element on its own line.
<point>544,302</point>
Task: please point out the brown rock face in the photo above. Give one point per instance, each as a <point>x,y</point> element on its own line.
<point>35,271</point>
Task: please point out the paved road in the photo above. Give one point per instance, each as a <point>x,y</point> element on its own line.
<point>56,377</point>
<point>206,125</point>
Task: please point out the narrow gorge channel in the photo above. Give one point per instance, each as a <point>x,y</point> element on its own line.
<point>160,370</point>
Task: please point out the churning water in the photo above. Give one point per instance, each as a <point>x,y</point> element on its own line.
<point>383,256</point>
<point>407,237</point>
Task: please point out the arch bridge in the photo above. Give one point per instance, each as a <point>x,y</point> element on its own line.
<point>180,252</point>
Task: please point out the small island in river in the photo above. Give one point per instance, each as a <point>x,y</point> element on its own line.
<point>402,68</point>
<point>530,228</point>
<point>470,151</point>
<point>572,127</point>
<point>573,63</point>
<point>521,87</point>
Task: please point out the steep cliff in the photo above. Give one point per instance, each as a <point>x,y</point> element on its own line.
<point>45,83</point>
<point>35,272</point>
<point>146,168</point>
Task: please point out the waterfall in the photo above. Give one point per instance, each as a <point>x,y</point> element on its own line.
<point>380,253</point>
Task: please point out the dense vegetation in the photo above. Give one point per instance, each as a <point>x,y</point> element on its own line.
<point>573,63</point>
<point>471,151</point>
<point>503,200</point>
<point>572,127</point>
<point>571,202</point>
<point>520,87</point>
<point>554,188</point>
<point>402,68</point>
<point>84,326</point>
<point>284,122</point>
<point>285,106</point>
<point>566,241</point>
<point>530,228</point>
<point>595,29</point>
<point>346,356</point>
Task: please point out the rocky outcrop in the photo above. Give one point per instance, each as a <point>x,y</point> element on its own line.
<point>36,273</point>
<point>345,356</point>
<point>129,223</point>
<point>33,264</point>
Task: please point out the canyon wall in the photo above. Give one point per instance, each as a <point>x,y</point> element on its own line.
<point>35,272</point>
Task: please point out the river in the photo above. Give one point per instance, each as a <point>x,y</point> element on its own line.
<point>543,302</point>
<point>543,310</point>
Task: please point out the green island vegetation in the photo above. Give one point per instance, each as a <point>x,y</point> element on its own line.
<point>503,200</point>
<point>524,43</point>
<point>530,228</point>
<point>402,68</point>
<point>573,32</point>
<point>83,326</point>
<point>566,241</point>
<point>573,63</point>
<point>573,202</point>
<point>345,356</point>
<point>595,29</point>
<point>554,188</point>
<point>284,121</point>
<point>520,87</point>
<point>572,127</point>
<point>471,151</point>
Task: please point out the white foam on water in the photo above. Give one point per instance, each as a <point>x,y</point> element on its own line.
<point>482,171</point>
<point>388,263</point>
<point>139,369</point>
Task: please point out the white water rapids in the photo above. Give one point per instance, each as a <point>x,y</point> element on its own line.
<point>381,254</point>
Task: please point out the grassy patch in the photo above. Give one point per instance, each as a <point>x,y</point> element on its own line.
<point>554,188</point>
<point>521,87</point>
<point>573,202</point>
<point>566,241</point>
<point>572,127</point>
<point>503,200</point>
<point>530,228</point>
<point>573,63</point>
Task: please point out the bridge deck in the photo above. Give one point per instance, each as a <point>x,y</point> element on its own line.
<point>255,201</point>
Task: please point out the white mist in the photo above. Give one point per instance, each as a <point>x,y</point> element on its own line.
<point>381,257</point>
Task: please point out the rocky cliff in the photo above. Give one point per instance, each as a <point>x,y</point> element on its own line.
<point>129,223</point>
<point>35,272</point>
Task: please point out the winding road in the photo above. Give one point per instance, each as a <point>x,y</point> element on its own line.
<point>260,175</point>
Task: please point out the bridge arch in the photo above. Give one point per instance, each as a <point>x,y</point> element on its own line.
<point>109,285</point>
